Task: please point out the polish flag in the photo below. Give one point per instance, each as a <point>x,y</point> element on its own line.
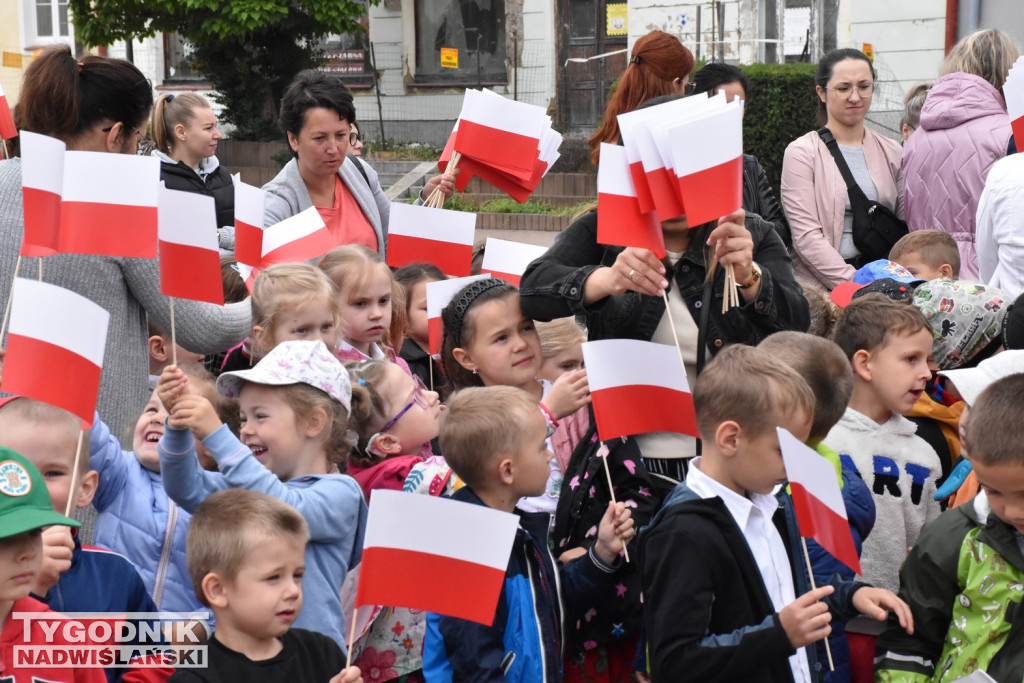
<point>249,207</point>
<point>55,347</point>
<point>463,548</point>
<point>633,131</point>
<point>189,257</point>
<point>418,234</point>
<point>300,238</point>
<point>1013,92</point>
<point>7,129</point>
<point>499,131</point>
<point>42,179</point>
<point>626,373</point>
<point>708,160</point>
<point>636,131</point>
<point>109,204</point>
<point>820,511</point>
<point>620,221</point>
<point>439,295</point>
<point>508,260</point>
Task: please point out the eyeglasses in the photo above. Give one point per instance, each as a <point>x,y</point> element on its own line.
<point>142,146</point>
<point>844,90</point>
<point>419,398</point>
<point>689,87</point>
<point>353,138</point>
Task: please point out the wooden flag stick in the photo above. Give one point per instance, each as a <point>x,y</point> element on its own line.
<point>430,367</point>
<point>174,338</point>
<point>74,474</point>
<point>611,489</point>
<point>40,268</point>
<point>7,155</point>
<point>436,198</point>
<point>10,298</point>
<point>672,324</point>
<point>351,638</point>
<point>810,573</point>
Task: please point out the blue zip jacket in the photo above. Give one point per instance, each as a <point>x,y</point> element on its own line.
<point>332,505</point>
<point>524,643</point>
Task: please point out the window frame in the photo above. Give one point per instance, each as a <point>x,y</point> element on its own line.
<point>442,80</point>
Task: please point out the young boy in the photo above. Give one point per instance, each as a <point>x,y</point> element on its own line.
<point>25,510</point>
<point>246,556</point>
<point>721,565</point>
<point>162,351</point>
<point>928,254</point>
<point>494,438</point>
<point>963,579</point>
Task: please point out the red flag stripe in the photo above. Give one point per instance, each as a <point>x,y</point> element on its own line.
<point>248,243</point>
<point>715,192</point>
<point>665,410</point>
<point>620,223</point>
<point>435,330</point>
<point>643,190</point>
<point>42,221</point>
<point>451,258</point>
<point>191,273</point>
<point>470,168</point>
<point>7,128</point>
<point>308,247</point>
<point>108,229</point>
<point>818,521</point>
<point>1017,125</point>
<point>662,183</point>
<point>495,146</point>
<point>507,277</point>
<point>51,374</point>
<point>461,589</point>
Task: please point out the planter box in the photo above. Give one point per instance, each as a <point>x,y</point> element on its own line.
<point>522,221</point>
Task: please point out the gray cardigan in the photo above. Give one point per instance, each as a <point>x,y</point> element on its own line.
<point>287,195</point>
<point>128,288</point>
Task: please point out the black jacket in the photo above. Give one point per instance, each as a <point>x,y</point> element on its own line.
<point>218,185</point>
<point>759,198</point>
<point>552,287</point>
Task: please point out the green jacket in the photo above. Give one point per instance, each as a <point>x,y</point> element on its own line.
<point>964,581</point>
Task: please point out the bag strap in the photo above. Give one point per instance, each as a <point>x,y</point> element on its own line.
<point>702,335</point>
<point>359,167</point>
<point>853,189</point>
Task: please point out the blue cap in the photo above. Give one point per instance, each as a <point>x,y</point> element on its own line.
<point>883,268</point>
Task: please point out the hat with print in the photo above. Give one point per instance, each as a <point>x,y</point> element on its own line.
<point>24,501</point>
<point>965,317</point>
<point>901,282</point>
<point>970,382</point>
<point>294,362</point>
<point>1013,325</point>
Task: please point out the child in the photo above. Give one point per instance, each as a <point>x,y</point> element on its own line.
<point>162,351</point>
<point>25,510</point>
<point>294,406</point>
<point>489,341</point>
<point>289,301</point>
<point>561,346</point>
<point>822,364</point>
<point>928,254</point>
<point>824,311</point>
<point>494,438</point>
<point>888,344</point>
<point>393,416</point>
<point>416,348</point>
<point>722,570</point>
<point>963,578</point>
<point>247,556</point>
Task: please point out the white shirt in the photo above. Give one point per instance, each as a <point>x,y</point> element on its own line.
<point>999,238</point>
<point>753,515</point>
<point>376,353</point>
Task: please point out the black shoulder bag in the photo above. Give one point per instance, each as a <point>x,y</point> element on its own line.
<point>875,227</point>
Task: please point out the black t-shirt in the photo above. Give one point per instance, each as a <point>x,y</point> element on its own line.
<point>305,657</point>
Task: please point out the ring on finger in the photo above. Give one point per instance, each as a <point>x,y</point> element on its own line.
<point>632,272</point>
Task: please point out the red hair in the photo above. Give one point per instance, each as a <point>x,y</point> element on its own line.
<point>657,59</point>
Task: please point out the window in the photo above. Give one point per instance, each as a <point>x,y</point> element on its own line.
<point>178,59</point>
<point>348,55</point>
<point>51,18</point>
<point>471,34</point>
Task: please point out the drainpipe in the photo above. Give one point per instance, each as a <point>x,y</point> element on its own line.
<point>973,15</point>
<point>952,16</point>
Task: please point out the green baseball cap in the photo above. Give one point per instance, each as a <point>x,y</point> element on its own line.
<point>24,501</point>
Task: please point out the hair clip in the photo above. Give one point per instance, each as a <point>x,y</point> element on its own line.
<point>361,382</point>
<point>635,60</point>
<point>80,65</point>
<point>170,98</point>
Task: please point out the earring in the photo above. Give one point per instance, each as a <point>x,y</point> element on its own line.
<point>474,371</point>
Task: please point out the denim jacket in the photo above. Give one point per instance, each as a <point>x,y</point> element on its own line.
<point>552,287</point>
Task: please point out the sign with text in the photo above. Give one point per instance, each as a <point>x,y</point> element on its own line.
<point>449,58</point>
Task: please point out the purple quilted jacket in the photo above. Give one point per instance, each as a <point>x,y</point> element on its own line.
<point>964,130</point>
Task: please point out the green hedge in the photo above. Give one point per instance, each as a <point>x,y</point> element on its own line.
<point>780,108</point>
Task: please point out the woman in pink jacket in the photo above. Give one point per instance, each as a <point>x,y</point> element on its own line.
<point>813,190</point>
<point>964,130</point>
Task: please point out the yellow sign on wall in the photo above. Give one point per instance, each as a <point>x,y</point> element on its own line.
<point>13,60</point>
<point>869,50</point>
<point>618,22</point>
<point>449,58</point>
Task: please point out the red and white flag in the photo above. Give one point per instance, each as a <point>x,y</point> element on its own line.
<point>1013,92</point>
<point>463,548</point>
<point>638,387</point>
<point>42,180</point>
<point>817,500</point>
<point>635,128</point>
<point>55,347</point>
<point>7,129</point>
<point>620,221</point>
<point>249,207</point>
<point>508,260</point>
<point>500,132</point>
<point>439,295</point>
<point>418,234</point>
<point>707,151</point>
<point>302,237</point>
<point>109,204</point>
<point>189,257</point>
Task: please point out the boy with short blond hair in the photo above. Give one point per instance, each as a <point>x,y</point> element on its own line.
<point>246,556</point>
<point>721,567</point>
<point>928,254</point>
<point>494,438</point>
<point>963,579</point>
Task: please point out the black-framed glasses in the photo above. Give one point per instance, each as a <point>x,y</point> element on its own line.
<point>353,138</point>
<point>845,90</point>
<point>689,87</point>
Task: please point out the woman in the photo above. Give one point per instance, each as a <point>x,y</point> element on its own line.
<point>355,141</point>
<point>912,104</point>
<point>659,65</point>
<point>814,193</point>
<point>964,130</point>
<point>102,105</point>
<point>316,115</point>
<point>184,130</point>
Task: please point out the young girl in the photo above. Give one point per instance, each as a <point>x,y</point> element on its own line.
<point>294,407</point>
<point>489,341</point>
<point>561,344</point>
<point>290,301</point>
<point>416,348</point>
<point>184,129</point>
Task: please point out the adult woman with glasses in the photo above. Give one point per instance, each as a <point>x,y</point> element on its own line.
<point>355,141</point>
<point>102,105</point>
<point>814,193</point>
<point>317,113</point>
